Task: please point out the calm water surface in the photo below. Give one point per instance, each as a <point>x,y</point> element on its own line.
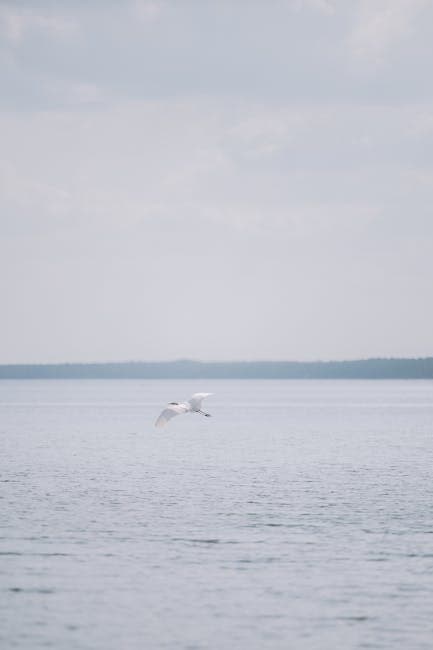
<point>299,516</point>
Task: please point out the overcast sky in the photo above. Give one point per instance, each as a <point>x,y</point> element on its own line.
<point>216,180</point>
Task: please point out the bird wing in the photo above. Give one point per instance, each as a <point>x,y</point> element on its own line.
<point>196,400</point>
<point>169,412</point>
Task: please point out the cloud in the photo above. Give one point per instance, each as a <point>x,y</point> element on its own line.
<point>382,25</point>
<point>18,23</point>
<point>240,168</point>
<point>297,53</point>
<point>322,6</point>
<point>147,10</point>
<point>278,159</point>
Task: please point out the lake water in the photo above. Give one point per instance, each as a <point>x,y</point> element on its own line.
<point>299,516</point>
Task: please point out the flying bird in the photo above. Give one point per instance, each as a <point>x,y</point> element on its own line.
<point>193,405</point>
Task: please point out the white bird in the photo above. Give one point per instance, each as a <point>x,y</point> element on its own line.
<point>193,405</point>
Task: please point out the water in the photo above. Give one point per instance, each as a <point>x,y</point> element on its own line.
<point>299,516</point>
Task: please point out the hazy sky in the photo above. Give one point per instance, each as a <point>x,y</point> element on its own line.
<point>216,180</point>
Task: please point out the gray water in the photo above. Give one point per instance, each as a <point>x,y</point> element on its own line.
<point>299,516</point>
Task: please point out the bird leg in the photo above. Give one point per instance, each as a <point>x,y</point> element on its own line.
<point>207,415</point>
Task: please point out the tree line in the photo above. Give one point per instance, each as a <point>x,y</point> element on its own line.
<point>421,368</point>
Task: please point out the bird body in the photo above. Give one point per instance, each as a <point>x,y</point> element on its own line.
<point>193,405</point>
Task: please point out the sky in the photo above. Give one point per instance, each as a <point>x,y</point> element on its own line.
<point>215,180</point>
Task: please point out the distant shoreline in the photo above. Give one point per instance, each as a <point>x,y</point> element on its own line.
<point>380,368</point>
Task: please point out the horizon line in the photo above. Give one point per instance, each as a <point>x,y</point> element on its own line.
<point>213,361</point>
